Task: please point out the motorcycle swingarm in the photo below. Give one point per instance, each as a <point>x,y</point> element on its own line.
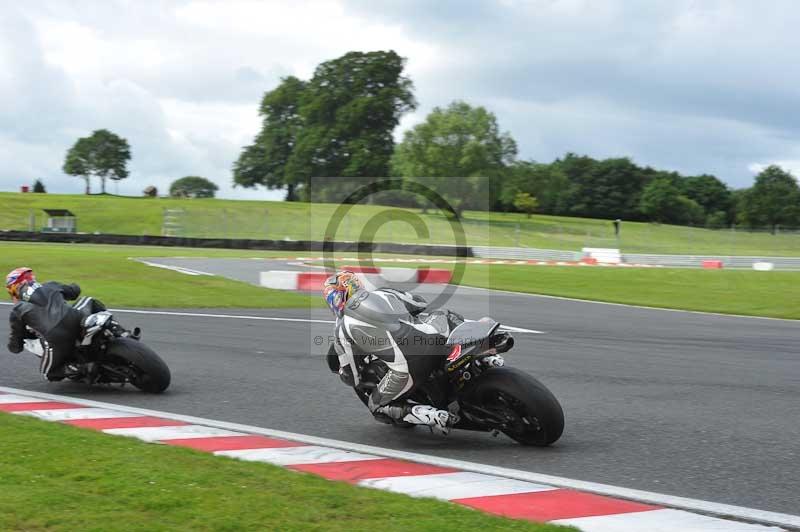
<point>484,418</point>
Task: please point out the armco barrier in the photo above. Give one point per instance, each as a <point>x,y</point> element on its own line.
<point>238,243</point>
<point>313,281</point>
<point>712,264</point>
<point>696,261</point>
<point>679,261</point>
<point>490,252</point>
<point>692,261</point>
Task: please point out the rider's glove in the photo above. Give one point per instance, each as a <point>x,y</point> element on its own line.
<point>346,374</point>
<point>15,346</point>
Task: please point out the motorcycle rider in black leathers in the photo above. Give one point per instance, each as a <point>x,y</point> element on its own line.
<point>43,308</point>
<point>384,323</point>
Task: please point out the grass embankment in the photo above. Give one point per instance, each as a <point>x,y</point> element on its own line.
<point>770,294</point>
<point>106,272</point>
<point>55,477</point>
<point>301,221</point>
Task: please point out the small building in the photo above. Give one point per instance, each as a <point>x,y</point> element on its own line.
<point>60,221</point>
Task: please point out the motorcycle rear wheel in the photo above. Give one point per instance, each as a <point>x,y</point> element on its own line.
<point>152,373</point>
<point>534,416</point>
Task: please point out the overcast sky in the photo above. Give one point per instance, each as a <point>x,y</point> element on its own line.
<point>693,86</point>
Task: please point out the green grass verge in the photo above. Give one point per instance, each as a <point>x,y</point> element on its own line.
<point>300,221</point>
<point>61,478</point>
<point>106,272</point>
<point>771,294</point>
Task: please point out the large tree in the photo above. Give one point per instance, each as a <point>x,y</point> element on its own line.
<point>526,203</point>
<point>458,151</point>
<point>546,182</point>
<point>338,125</point>
<point>773,200</point>
<point>102,154</point>
<point>264,161</point>
<point>709,192</point>
<point>661,201</point>
<point>350,109</point>
<point>610,188</point>
<point>192,186</point>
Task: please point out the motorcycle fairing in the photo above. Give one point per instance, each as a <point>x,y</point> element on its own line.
<point>472,332</point>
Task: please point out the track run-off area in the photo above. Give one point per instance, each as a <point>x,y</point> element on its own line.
<point>686,404</point>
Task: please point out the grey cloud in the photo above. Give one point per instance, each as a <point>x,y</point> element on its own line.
<point>694,86</point>
<point>48,114</point>
<point>28,84</point>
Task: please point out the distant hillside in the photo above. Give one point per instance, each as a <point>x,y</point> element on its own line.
<point>301,221</point>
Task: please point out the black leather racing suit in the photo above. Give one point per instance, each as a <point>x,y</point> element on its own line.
<point>386,323</point>
<point>43,308</point>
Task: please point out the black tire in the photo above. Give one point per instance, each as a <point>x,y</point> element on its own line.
<point>540,417</point>
<point>153,375</point>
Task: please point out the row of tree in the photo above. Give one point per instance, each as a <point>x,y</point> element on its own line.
<point>105,155</point>
<point>340,124</point>
<point>618,188</point>
<point>102,154</point>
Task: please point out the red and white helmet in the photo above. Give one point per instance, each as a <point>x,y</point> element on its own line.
<point>16,279</point>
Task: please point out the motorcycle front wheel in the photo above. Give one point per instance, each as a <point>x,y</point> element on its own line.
<point>532,414</point>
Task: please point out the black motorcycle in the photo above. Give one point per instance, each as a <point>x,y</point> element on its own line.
<point>107,353</point>
<point>470,380</point>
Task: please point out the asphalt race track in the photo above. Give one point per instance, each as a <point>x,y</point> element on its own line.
<point>687,404</point>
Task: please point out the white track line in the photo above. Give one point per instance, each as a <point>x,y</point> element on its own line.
<point>226,316</point>
<point>477,288</point>
<point>577,300</point>
<point>269,318</point>
<point>706,507</point>
<point>179,269</point>
<point>261,318</point>
<point>204,315</point>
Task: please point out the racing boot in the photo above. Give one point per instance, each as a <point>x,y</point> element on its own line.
<point>91,370</point>
<point>438,420</point>
<point>59,374</point>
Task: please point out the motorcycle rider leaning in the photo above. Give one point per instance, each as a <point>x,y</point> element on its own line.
<point>43,308</point>
<point>382,323</point>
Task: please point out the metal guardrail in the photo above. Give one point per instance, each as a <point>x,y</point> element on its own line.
<point>239,243</point>
<point>680,261</point>
<point>488,252</point>
<point>690,261</point>
<point>695,261</point>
